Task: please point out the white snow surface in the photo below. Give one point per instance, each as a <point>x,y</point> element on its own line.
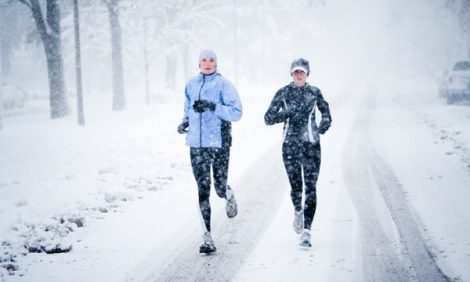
<point>126,177</point>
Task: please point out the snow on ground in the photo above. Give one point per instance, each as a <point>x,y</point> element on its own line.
<point>431,157</point>
<point>54,171</point>
<point>120,190</point>
<point>334,255</point>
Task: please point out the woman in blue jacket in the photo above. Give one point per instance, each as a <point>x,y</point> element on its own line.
<point>294,105</point>
<point>211,104</point>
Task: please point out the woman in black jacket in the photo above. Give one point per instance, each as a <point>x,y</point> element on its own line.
<point>294,105</point>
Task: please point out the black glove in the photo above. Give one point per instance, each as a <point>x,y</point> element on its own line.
<point>183,127</point>
<point>201,106</point>
<point>324,125</point>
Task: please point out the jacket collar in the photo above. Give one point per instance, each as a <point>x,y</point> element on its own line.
<point>292,85</point>
<point>208,76</point>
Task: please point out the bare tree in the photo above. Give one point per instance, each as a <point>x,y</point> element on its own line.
<point>50,33</point>
<point>144,25</point>
<point>235,41</point>
<point>171,58</point>
<point>146,63</point>
<point>119,102</point>
<point>78,64</point>
<point>1,63</point>
<point>464,19</point>
<point>163,33</point>
<point>10,21</point>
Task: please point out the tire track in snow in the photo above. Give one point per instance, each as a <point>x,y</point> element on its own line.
<point>259,195</point>
<point>380,261</point>
<point>407,221</point>
<point>392,244</point>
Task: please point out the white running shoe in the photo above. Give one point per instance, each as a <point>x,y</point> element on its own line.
<point>298,221</point>
<point>207,245</point>
<point>305,238</point>
<point>231,204</point>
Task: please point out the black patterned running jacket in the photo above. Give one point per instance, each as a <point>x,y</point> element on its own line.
<point>295,106</point>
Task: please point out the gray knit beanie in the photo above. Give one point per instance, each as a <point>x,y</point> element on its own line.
<point>207,54</point>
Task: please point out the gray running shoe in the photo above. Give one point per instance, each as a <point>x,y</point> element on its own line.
<point>305,238</point>
<point>207,245</point>
<point>231,204</point>
<point>298,221</point>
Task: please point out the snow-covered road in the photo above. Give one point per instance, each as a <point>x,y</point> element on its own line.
<point>259,194</point>
<point>393,248</point>
<point>391,196</point>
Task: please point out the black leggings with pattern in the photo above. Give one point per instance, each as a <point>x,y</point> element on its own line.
<point>202,160</point>
<point>304,156</point>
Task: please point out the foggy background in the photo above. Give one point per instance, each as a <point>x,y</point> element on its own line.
<point>345,42</point>
<point>115,195</point>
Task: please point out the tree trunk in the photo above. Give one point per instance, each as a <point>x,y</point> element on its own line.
<point>1,66</point>
<point>464,19</point>
<point>78,65</point>
<point>171,59</point>
<point>146,65</point>
<point>171,73</point>
<point>52,47</point>
<point>6,18</point>
<point>235,40</point>
<point>119,102</point>
<point>186,62</point>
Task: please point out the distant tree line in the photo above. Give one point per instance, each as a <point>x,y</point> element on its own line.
<point>461,8</point>
<point>161,28</point>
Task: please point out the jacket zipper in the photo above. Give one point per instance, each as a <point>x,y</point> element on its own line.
<point>200,114</point>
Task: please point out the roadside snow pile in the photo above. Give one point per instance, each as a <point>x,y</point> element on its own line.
<point>74,178</point>
<point>7,263</point>
<point>48,237</point>
<point>51,236</point>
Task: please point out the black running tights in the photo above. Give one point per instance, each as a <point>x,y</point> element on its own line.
<point>304,156</point>
<point>202,160</point>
